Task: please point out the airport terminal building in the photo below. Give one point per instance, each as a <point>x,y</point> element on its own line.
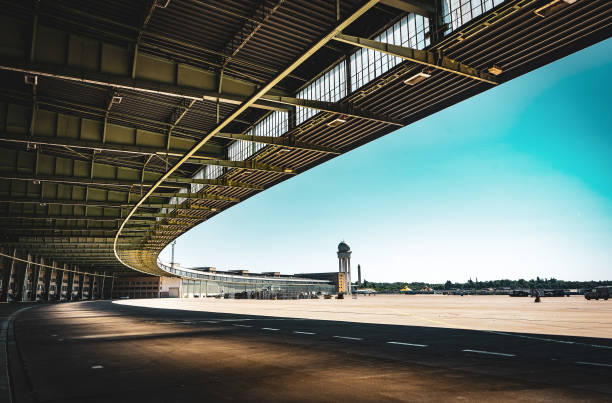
<point>208,282</point>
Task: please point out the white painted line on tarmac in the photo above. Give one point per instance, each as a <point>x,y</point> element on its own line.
<point>235,320</point>
<point>298,332</point>
<point>549,340</point>
<point>269,328</point>
<point>348,338</point>
<point>596,364</point>
<point>489,352</point>
<point>242,325</point>
<point>407,344</point>
<point>97,367</point>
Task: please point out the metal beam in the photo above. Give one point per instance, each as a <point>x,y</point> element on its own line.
<point>178,206</point>
<point>175,182</point>
<point>422,7</point>
<point>64,202</point>
<point>334,107</point>
<point>96,145</point>
<point>200,159</point>
<point>106,204</point>
<point>55,230</point>
<point>76,248</point>
<point>56,226</point>
<point>127,83</point>
<point>173,215</point>
<point>46,217</point>
<point>435,60</point>
<point>198,196</point>
<point>284,142</point>
<point>213,182</point>
<point>58,244</point>
<point>247,164</point>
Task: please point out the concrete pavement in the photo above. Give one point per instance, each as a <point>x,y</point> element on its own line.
<point>105,352</point>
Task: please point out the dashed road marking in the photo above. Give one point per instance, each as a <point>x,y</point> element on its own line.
<point>348,338</point>
<point>489,352</point>
<point>269,328</point>
<point>97,367</point>
<point>407,344</point>
<point>596,364</point>
<point>298,332</point>
<point>549,340</point>
<point>242,325</point>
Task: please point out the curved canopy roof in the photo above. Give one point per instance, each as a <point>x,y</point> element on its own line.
<point>126,123</point>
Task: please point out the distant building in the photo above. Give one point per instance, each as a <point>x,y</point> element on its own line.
<point>146,287</point>
<point>338,279</point>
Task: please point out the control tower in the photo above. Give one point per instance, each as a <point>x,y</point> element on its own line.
<point>344,264</point>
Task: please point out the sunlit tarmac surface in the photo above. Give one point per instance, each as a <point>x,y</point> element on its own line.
<point>570,316</point>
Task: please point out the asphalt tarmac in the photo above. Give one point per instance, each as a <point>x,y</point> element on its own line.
<point>106,352</point>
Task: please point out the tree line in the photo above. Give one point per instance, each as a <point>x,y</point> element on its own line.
<point>545,283</point>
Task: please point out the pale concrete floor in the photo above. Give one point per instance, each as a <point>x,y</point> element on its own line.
<point>573,316</point>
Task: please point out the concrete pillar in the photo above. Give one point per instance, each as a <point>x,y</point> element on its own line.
<point>92,285</point>
<point>36,269</point>
<point>81,282</point>
<point>47,282</point>
<point>59,283</point>
<point>71,275</point>
<point>21,279</point>
<point>101,291</point>
<point>7,275</point>
<point>3,267</point>
<point>70,284</point>
<point>112,285</point>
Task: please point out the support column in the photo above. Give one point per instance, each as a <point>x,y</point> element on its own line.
<point>46,294</point>
<point>81,289</point>
<point>112,285</point>
<point>101,291</point>
<point>36,269</point>
<point>21,277</point>
<point>59,284</point>
<point>4,264</point>
<point>92,285</point>
<point>70,285</point>
<point>7,275</point>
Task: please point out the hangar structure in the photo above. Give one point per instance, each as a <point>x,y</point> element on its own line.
<point>126,123</point>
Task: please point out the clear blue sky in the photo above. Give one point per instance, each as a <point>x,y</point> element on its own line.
<point>513,183</point>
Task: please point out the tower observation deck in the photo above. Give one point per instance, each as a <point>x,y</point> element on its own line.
<point>126,123</point>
